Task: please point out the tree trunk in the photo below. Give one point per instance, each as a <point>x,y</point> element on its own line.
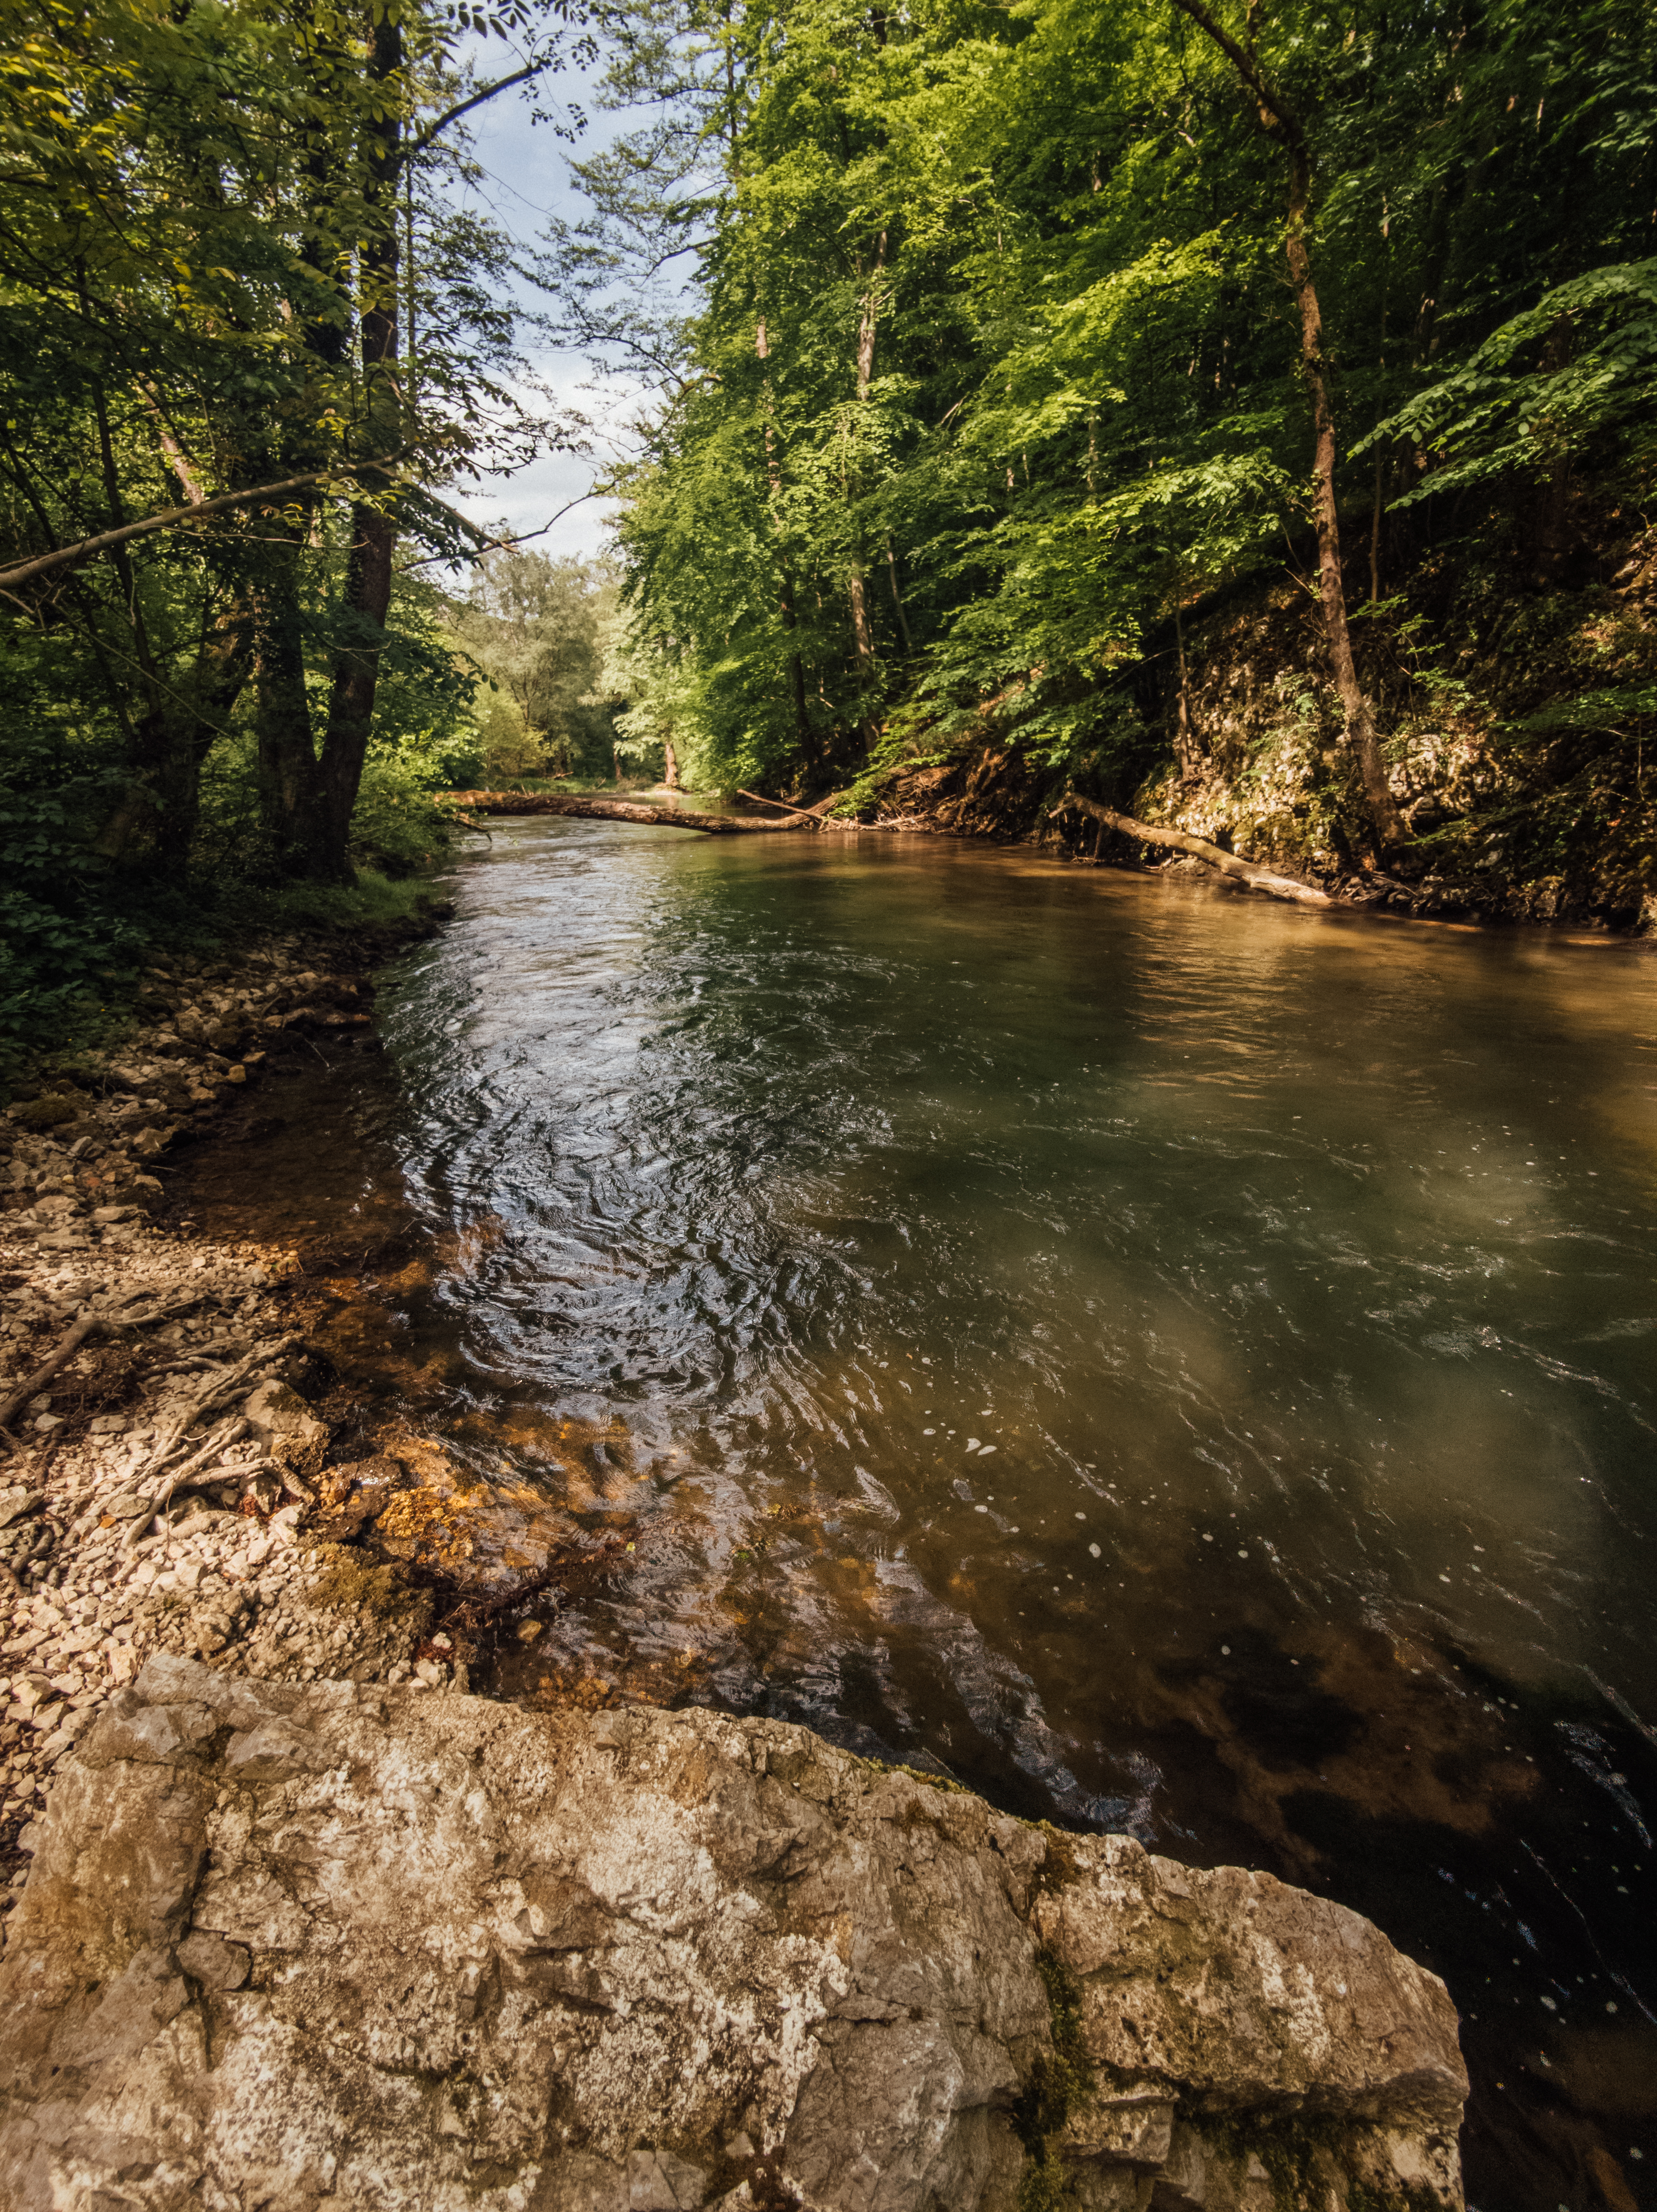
<point>1354,700</point>
<point>1187,748</point>
<point>194,726</point>
<point>167,749</point>
<point>620,809</point>
<point>1552,508</point>
<point>803,730</point>
<point>282,721</point>
<point>897,599</point>
<point>1269,880</point>
<point>321,847</point>
<point>863,637</point>
<point>670,765</point>
<point>1279,122</point>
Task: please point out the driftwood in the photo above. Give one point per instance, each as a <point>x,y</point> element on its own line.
<point>1200,848</point>
<point>609,810</point>
<point>88,1325</point>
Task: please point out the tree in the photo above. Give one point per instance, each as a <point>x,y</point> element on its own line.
<point>993,377</point>
<point>1284,128</point>
<point>203,246</point>
<point>536,626</point>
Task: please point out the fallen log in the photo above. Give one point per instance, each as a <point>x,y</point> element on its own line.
<point>1200,848</point>
<point>817,812</point>
<point>608,809</point>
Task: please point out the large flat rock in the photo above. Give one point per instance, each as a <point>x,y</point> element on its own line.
<point>285,1948</point>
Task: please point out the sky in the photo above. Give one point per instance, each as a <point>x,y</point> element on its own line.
<point>528,179</point>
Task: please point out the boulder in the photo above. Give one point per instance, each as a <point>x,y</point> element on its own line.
<point>296,1947</point>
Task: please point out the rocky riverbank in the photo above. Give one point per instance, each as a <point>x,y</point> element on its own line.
<point>160,1458</point>
<point>296,1948</point>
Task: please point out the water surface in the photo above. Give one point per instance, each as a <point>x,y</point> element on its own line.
<point>1178,1363</point>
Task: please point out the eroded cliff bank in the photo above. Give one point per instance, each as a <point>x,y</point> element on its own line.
<point>1516,713</point>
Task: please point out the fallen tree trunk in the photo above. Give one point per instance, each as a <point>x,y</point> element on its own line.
<point>1216,856</point>
<point>816,813</point>
<point>608,809</point>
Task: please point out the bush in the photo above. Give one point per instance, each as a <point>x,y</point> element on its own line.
<point>60,921</point>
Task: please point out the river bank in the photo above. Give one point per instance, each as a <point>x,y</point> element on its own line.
<point>162,1454</point>
<point>702,1217</point>
<point>993,794</point>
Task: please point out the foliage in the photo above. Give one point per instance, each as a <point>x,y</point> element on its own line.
<point>537,629</point>
<point>252,335</point>
<point>1574,371</point>
<point>59,927</point>
<point>988,381</point>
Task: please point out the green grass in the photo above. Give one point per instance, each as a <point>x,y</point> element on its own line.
<point>372,898</point>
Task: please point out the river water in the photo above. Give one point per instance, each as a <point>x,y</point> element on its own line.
<point>1177,1362</point>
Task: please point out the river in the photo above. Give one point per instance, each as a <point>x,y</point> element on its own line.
<point>1175,1362</point>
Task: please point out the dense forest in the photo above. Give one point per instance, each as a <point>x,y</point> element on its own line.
<point>1250,411</point>
<point>1239,414</point>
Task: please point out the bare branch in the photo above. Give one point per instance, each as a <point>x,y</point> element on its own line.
<point>440,123</point>
<point>170,517</point>
<point>485,543</point>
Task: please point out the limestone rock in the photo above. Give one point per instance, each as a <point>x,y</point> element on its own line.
<point>289,1431</point>
<point>335,1946</point>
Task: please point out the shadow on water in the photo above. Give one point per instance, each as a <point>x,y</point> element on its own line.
<point>1174,1363</point>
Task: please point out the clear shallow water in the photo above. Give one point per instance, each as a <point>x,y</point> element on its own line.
<point>1177,1362</point>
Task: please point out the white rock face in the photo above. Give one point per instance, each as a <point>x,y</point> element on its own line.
<point>289,1948</point>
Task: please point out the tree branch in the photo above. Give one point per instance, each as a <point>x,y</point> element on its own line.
<point>1272,102</point>
<point>170,517</point>
<point>439,124</point>
<point>611,810</point>
<point>485,543</point>
<point>1200,848</point>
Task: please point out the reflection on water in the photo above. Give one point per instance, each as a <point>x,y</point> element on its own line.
<point>1177,1362</point>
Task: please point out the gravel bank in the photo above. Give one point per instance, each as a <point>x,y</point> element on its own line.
<point>163,1484</point>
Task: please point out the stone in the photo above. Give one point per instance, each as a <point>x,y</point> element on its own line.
<point>383,1949</point>
<point>289,1431</point>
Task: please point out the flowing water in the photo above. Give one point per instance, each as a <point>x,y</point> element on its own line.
<point>1178,1363</point>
